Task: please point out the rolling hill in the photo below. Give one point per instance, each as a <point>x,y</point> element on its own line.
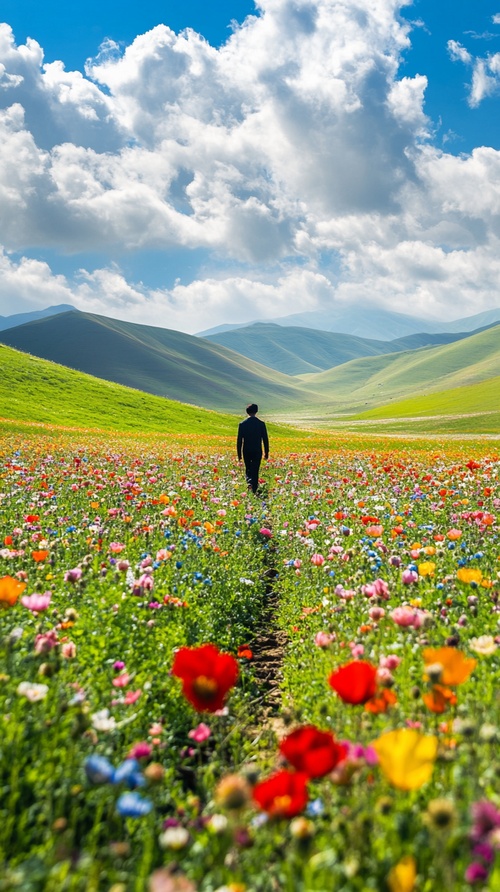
<point>298,351</point>
<point>156,360</point>
<point>37,392</point>
<point>373,381</point>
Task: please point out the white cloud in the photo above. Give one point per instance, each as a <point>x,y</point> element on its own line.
<point>296,138</point>
<point>496,18</point>
<point>485,72</point>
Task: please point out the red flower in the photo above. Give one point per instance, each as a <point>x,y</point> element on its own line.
<point>312,751</point>
<point>206,674</point>
<point>283,795</point>
<point>354,682</point>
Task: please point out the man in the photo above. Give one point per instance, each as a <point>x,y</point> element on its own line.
<point>252,435</point>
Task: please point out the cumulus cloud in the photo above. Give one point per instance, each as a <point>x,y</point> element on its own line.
<point>297,138</point>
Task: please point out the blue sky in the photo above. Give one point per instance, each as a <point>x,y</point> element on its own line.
<point>321,152</point>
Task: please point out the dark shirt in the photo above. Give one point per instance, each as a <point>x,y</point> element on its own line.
<point>252,433</point>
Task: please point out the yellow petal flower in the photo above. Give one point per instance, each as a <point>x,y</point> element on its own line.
<point>469,574</point>
<point>406,757</point>
<point>427,568</point>
<point>403,875</point>
<point>456,667</point>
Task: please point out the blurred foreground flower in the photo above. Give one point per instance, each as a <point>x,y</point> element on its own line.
<point>354,682</point>
<point>403,875</point>
<point>132,805</point>
<point>406,757</point>
<point>283,795</point>
<point>10,589</point>
<point>33,692</point>
<point>312,751</point>
<point>456,668</point>
<point>207,675</point>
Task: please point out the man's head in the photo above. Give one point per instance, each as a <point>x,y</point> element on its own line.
<point>252,409</point>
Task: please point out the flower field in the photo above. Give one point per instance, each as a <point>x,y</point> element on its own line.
<point>144,745</point>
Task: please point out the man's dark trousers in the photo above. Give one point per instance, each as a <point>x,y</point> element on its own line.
<point>252,465</point>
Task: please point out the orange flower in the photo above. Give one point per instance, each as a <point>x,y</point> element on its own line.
<point>439,698</point>
<point>456,667</point>
<point>39,556</point>
<point>10,589</point>
<point>381,702</point>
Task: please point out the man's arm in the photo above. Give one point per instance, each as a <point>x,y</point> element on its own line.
<point>265,440</point>
<point>239,442</point>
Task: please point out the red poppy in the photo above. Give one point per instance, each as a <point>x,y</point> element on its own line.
<point>206,674</point>
<point>283,795</point>
<point>355,682</point>
<point>312,751</point>
<point>245,651</point>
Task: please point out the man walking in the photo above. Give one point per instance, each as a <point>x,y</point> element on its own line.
<point>252,435</point>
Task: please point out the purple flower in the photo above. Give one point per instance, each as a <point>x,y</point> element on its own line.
<point>73,575</point>
<point>476,873</point>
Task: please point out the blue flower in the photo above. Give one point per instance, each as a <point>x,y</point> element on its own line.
<point>129,772</point>
<point>131,805</point>
<point>99,770</point>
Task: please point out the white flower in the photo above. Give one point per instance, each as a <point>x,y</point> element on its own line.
<point>103,721</point>
<point>484,645</point>
<point>33,692</point>
<point>174,838</point>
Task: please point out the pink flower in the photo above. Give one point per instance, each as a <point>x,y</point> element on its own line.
<point>146,582</point>
<point>36,603</point>
<point>264,531</point>
<point>121,681</point>
<point>68,650</point>
<point>73,575</point>
<point>377,589</point>
<point>45,642</point>
<point>324,639</point>
<point>409,576</point>
<point>391,661</point>
<point>118,665</point>
<point>132,697</point>
<point>140,750</point>
<point>408,616</point>
<point>123,565</point>
<point>317,560</point>
<point>116,547</point>
<point>201,733</point>
<point>376,613</point>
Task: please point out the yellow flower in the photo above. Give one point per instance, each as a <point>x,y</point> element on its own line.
<point>427,568</point>
<point>456,667</point>
<point>403,875</point>
<point>468,575</point>
<point>10,589</point>
<point>406,757</point>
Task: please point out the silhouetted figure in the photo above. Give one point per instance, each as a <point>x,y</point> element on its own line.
<point>252,436</point>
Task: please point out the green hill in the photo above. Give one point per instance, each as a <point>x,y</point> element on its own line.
<point>156,360</point>
<point>294,350</point>
<point>36,391</point>
<point>372,381</point>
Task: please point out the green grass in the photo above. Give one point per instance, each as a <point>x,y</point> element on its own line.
<point>370,381</point>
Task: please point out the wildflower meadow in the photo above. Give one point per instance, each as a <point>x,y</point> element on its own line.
<point>203,689</point>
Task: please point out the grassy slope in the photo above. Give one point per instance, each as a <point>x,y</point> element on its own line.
<point>156,360</point>
<point>374,380</point>
<point>41,392</point>
<point>474,407</point>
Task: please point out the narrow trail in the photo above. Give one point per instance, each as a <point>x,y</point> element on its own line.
<point>268,649</point>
